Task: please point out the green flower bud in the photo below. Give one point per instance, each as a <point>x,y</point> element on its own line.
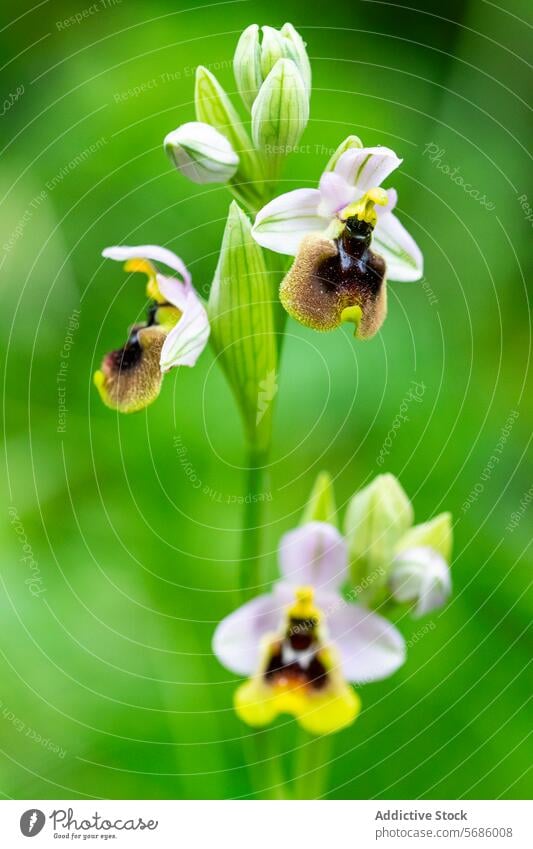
<point>321,505</point>
<point>247,65</point>
<point>280,111</point>
<point>376,519</point>
<point>201,153</point>
<point>347,144</point>
<point>435,534</point>
<point>214,107</point>
<point>299,54</point>
<point>253,61</point>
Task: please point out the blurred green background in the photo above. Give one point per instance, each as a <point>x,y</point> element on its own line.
<point>109,687</point>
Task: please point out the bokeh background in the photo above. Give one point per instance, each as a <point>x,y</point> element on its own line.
<point>130,525</point>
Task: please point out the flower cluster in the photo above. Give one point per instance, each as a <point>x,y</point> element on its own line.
<point>305,640</point>
<point>318,630</point>
<point>345,237</point>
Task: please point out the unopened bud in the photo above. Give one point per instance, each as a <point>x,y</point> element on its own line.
<point>201,153</point>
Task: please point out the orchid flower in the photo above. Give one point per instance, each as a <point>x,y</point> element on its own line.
<point>346,240</point>
<point>302,643</point>
<point>175,332</point>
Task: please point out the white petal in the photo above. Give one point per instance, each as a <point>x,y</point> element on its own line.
<point>367,167</point>
<point>371,648</point>
<point>335,194</point>
<point>314,554</point>
<point>399,250</point>
<point>154,252</point>
<point>421,575</point>
<point>188,338</point>
<point>282,223</point>
<point>237,639</point>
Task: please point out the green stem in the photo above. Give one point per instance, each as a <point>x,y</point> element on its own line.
<point>311,766</point>
<point>268,778</point>
<point>251,578</point>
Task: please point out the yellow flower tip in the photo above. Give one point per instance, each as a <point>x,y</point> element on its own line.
<point>303,607</point>
<point>145,267</point>
<point>364,208</point>
<point>99,382</point>
<point>353,314</point>
<point>258,705</point>
<point>330,713</point>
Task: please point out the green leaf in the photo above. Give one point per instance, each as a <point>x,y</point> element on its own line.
<point>321,505</point>
<point>242,327</point>
<point>214,107</point>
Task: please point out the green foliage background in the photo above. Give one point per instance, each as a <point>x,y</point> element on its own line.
<point>134,521</point>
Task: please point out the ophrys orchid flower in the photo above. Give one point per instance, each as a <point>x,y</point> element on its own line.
<point>175,332</point>
<point>346,241</point>
<point>302,643</point>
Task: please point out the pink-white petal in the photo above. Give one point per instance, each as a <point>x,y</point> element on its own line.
<point>335,194</point>
<point>370,647</point>
<point>398,248</point>
<point>282,224</point>
<point>314,554</point>
<point>367,167</point>
<point>237,639</point>
<point>121,253</point>
<point>188,338</point>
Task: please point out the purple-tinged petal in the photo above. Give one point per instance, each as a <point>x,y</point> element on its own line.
<point>370,647</point>
<point>237,639</point>
<point>367,167</point>
<point>314,554</point>
<point>335,194</point>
